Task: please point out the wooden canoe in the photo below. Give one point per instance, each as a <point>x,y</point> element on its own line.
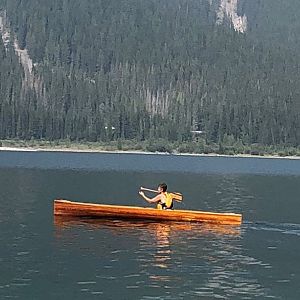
<point>78,209</point>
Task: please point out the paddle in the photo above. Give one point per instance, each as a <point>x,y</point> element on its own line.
<point>176,196</point>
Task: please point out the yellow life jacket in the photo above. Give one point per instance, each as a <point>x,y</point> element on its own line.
<point>168,203</point>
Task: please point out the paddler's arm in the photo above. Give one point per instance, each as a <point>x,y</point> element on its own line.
<point>153,200</point>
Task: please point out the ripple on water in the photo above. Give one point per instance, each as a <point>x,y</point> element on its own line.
<point>22,253</point>
<point>86,282</point>
<point>284,228</point>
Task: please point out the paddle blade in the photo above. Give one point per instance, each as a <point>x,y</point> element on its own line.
<point>177,197</point>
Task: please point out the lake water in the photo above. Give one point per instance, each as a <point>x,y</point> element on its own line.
<point>42,257</point>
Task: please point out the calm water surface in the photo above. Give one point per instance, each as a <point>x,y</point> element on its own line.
<point>43,257</point>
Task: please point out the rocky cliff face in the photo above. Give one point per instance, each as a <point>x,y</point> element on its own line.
<point>228,10</point>
<point>5,34</point>
<point>23,55</point>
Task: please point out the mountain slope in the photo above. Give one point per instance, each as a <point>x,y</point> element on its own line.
<point>106,70</point>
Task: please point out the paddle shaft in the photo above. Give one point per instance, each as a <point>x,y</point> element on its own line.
<point>154,191</point>
<point>149,190</point>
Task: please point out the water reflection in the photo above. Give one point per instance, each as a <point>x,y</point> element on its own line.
<point>162,230</point>
<point>209,257</point>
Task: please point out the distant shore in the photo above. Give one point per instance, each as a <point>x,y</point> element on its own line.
<point>82,149</point>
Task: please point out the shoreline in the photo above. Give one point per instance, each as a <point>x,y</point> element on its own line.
<point>77,150</point>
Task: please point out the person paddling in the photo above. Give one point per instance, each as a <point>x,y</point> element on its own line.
<point>164,199</point>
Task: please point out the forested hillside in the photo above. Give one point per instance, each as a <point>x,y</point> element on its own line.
<point>129,69</point>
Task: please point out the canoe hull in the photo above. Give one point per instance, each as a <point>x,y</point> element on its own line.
<point>78,209</point>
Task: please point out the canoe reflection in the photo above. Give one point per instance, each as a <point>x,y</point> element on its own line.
<point>162,229</point>
<point>163,248</point>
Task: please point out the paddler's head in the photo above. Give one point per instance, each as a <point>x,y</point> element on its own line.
<point>162,188</point>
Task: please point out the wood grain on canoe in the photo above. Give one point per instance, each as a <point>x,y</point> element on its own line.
<point>79,209</point>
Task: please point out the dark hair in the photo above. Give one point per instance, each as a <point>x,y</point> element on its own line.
<point>163,186</point>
